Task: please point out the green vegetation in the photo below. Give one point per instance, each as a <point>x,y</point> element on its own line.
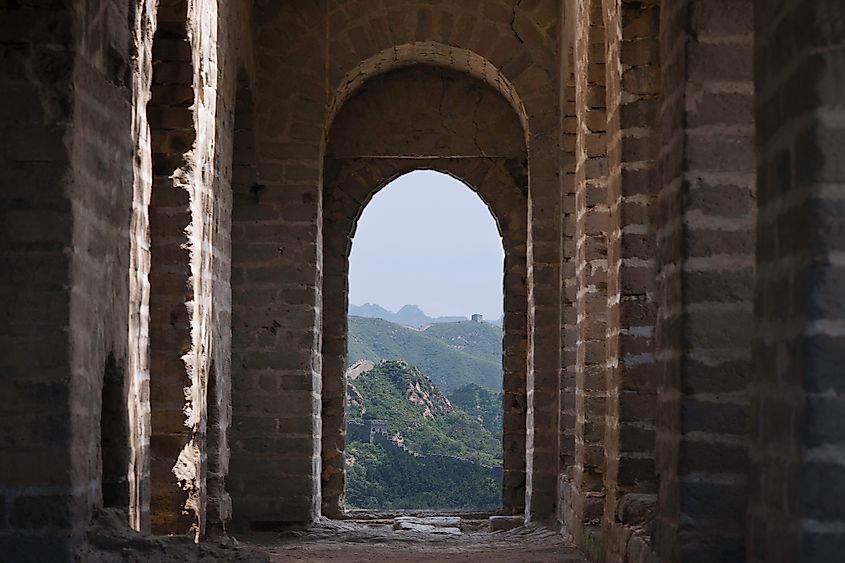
<point>458,438</point>
<point>451,354</point>
<point>388,479</point>
<point>479,340</point>
<point>482,404</point>
<point>427,421</point>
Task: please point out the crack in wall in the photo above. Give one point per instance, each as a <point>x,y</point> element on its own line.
<point>476,123</point>
<point>513,22</point>
<point>443,120</point>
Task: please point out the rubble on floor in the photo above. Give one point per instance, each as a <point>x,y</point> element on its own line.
<point>110,541</point>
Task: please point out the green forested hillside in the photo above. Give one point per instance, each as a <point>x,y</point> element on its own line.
<point>451,354</point>
<point>482,404</point>
<point>377,478</point>
<point>480,340</point>
<point>439,392</point>
<point>428,422</point>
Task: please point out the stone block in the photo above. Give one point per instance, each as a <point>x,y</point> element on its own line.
<point>505,523</point>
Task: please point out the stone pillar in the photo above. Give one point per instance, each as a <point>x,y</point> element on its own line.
<point>233,110</point>
<point>276,276</point>
<point>190,203</point>
<point>343,197</point>
<point>705,239</point>
<point>512,220</point>
<point>633,77</point>
<point>591,229</point>
<point>798,448</point>
<point>569,288</point>
<point>138,362</point>
<point>544,306</point>
<point>172,135</point>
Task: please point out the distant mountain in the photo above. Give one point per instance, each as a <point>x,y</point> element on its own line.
<point>408,315</point>
<point>411,315</point>
<point>451,354</point>
<point>371,310</point>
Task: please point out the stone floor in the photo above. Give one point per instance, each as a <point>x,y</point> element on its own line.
<point>370,539</point>
<point>376,541</point>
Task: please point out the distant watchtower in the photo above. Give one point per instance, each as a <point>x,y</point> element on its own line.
<point>478,318</point>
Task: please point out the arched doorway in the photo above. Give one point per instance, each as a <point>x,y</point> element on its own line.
<point>499,184</point>
<point>423,118</point>
<point>424,384</point>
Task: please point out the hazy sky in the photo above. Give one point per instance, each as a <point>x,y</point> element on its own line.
<point>429,240</point>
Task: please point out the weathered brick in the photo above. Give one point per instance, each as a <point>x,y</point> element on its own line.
<point>37,512</point>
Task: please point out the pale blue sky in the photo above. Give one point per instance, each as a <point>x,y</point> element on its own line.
<point>427,239</point>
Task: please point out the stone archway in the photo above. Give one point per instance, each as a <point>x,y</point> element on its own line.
<point>413,118</point>
<point>346,197</point>
<point>301,96</point>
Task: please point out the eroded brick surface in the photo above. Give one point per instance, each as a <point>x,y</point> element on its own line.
<point>797,442</point>
<point>704,332</point>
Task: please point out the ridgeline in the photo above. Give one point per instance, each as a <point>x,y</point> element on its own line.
<point>451,354</point>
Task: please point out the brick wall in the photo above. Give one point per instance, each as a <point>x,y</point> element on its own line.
<point>569,284</point>
<point>276,272</point>
<point>796,510</point>
<point>591,229</point>
<point>35,270</point>
<point>305,53</point>
<point>66,185</point>
<point>632,88</point>
<point>93,102</point>
<point>705,220</point>
<point>99,191</point>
